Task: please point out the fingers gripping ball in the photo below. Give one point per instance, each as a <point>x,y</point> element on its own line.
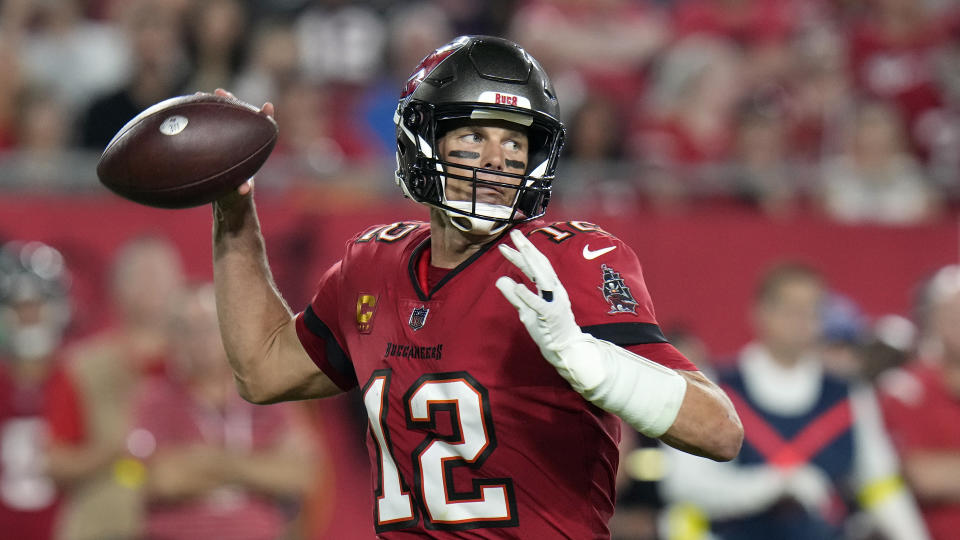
<point>187,151</point>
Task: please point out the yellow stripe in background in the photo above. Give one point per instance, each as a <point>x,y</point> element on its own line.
<point>878,491</point>
<point>687,522</point>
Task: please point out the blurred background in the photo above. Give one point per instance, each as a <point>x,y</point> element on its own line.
<point>719,138</point>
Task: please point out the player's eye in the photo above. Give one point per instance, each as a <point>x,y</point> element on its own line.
<point>472,138</point>
<point>513,145</point>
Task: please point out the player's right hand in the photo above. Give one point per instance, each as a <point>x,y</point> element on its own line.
<point>246,188</point>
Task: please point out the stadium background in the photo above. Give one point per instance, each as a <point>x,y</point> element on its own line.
<point>715,137</point>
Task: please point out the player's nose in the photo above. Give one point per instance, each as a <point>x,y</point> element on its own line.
<point>493,155</point>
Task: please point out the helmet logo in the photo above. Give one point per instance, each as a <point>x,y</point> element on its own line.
<point>500,98</point>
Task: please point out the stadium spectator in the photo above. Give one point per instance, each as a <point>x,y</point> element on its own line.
<point>217,466</point>
<point>922,409</point>
<point>892,48</point>
<point>762,173</point>
<point>74,58</point>
<point>340,42</point>
<point>11,85</point>
<point>90,454</point>
<point>411,29</point>
<point>876,179</point>
<point>819,95</point>
<point>44,159</point>
<point>686,127</point>
<point>811,439</point>
<point>593,47</point>
<point>597,171</point>
<point>34,311</point>
<point>215,43</point>
<point>273,63</point>
<point>159,71</point>
<point>761,29</point>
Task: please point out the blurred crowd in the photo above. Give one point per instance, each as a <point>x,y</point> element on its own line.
<point>847,107</point>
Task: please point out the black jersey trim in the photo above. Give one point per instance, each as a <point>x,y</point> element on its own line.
<point>415,257</point>
<point>627,333</point>
<point>336,356</point>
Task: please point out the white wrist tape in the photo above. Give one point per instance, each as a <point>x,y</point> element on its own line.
<point>643,393</point>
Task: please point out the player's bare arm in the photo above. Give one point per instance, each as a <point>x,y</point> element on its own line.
<point>707,424</point>
<point>259,335</point>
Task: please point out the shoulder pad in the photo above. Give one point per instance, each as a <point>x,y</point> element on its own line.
<point>388,233</point>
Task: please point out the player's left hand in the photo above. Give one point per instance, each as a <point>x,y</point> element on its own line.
<point>547,314</point>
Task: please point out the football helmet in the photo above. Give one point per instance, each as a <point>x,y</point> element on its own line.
<point>478,78</point>
<point>34,305</point>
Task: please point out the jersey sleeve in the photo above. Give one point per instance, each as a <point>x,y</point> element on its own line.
<point>320,334</point>
<point>604,279</point>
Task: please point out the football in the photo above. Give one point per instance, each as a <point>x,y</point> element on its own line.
<point>187,151</point>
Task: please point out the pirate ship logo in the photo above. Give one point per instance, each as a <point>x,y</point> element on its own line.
<point>616,292</point>
<point>418,317</point>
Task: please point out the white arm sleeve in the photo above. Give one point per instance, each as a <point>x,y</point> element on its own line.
<point>642,392</point>
<point>876,472</point>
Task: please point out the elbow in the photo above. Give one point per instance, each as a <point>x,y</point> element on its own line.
<point>254,394</point>
<point>724,440</point>
<point>253,391</point>
<point>729,443</point>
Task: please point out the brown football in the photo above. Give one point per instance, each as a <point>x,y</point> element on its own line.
<point>187,151</point>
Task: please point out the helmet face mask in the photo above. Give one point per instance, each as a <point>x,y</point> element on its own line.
<point>475,80</point>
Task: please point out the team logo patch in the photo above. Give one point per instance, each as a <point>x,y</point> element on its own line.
<point>418,317</point>
<point>616,292</point>
<point>366,307</point>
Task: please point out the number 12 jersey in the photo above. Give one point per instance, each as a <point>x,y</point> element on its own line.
<point>472,434</point>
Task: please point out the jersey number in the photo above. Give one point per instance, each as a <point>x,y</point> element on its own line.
<point>489,503</point>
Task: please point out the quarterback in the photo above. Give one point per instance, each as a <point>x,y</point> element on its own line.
<point>496,353</point>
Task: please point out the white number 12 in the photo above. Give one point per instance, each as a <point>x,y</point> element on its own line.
<point>491,502</point>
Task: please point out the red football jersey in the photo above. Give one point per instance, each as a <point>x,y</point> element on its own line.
<point>470,428</point>
<point>28,497</point>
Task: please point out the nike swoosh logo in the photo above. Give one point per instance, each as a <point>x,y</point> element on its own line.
<point>590,255</point>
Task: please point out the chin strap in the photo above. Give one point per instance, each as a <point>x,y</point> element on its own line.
<point>494,224</point>
<point>643,393</point>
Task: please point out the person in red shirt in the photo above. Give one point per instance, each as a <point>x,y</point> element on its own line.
<point>34,312</point>
<point>893,49</point>
<point>91,406</point>
<point>491,414</point>
<point>922,409</point>
<point>216,465</point>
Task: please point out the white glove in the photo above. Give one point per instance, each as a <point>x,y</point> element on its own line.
<point>645,394</point>
<point>548,315</point>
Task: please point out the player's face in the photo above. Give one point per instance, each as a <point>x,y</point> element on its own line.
<point>494,146</point>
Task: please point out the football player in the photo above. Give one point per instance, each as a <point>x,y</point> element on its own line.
<point>34,312</point>
<point>480,420</point>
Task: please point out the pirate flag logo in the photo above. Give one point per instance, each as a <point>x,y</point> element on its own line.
<point>418,317</point>
<point>616,292</point>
